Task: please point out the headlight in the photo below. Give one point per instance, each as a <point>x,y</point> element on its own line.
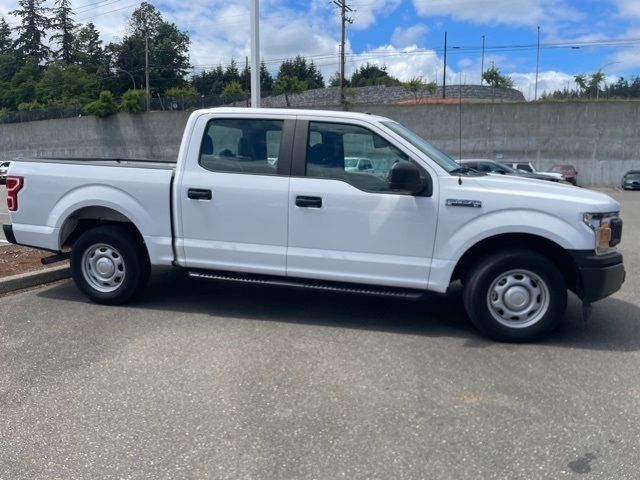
<point>600,223</point>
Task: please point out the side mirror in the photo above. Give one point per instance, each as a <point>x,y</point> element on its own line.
<point>405,177</point>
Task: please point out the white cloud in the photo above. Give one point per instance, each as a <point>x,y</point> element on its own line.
<point>509,12</point>
<point>406,36</point>
<point>628,7</point>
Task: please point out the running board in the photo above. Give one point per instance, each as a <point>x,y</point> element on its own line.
<point>337,287</point>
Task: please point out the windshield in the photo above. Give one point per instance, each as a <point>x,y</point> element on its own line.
<point>425,147</point>
<point>632,176</point>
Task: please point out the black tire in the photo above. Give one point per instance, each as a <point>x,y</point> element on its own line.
<point>484,279</point>
<point>122,244</point>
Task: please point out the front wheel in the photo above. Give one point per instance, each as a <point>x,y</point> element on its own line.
<point>109,264</point>
<point>515,296</point>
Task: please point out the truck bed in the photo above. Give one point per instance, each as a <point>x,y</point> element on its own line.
<point>58,191</point>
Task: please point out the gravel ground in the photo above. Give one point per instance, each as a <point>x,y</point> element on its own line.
<point>202,380</point>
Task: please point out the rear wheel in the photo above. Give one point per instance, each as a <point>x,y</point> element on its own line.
<point>109,264</point>
<point>516,296</point>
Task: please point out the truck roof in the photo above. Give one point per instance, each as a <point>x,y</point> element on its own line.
<point>293,111</point>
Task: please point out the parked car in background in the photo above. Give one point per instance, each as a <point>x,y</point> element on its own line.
<point>568,172</point>
<point>4,168</point>
<point>631,180</point>
<point>529,168</point>
<point>491,166</point>
<point>356,164</point>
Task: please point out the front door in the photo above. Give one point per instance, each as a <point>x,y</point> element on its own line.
<point>233,195</point>
<point>345,223</point>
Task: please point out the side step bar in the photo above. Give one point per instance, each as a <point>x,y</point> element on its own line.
<point>337,287</point>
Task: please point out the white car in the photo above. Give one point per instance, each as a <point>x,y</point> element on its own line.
<point>224,211</point>
<point>528,167</point>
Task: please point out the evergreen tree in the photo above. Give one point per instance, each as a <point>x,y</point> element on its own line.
<point>64,24</point>
<point>303,71</point>
<point>88,51</point>
<point>6,43</point>
<point>369,74</point>
<point>33,30</point>
<point>266,80</point>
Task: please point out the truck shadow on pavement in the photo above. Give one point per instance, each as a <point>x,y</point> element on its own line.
<point>613,326</point>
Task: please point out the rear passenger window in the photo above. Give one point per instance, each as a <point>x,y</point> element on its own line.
<point>241,146</point>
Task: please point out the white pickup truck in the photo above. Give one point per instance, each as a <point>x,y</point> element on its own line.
<point>264,196</point>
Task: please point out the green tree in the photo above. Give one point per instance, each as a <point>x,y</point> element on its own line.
<point>594,82</point>
<point>22,87</point>
<point>63,84</point>
<point>581,81</point>
<point>6,42</point>
<point>30,106</point>
<point>233,92</point>
<point>33,30</point>
<point>369,74</point>
<point>133,101</point>
<point>288,85</point>
<point>494,78</point>
<point>88,49</point>
<point>418,88</point>
<point>266,80</point>
<point>209,83</point>
<point>104,106</point>
<point>304,71</point>
<point>334,81</point>
<point>64,25</point>
<point>168,51</point>
<point>232,74</point>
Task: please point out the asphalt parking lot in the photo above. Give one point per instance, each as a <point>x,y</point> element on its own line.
<point>202,380</point>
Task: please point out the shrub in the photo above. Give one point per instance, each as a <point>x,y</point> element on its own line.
<point>30,106</point>
<point>133,101</point>
<point>103,106</point>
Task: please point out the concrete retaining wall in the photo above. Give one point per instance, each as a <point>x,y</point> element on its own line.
<point>602,140</point>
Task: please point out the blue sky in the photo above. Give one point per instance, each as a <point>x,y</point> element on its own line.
<point>406,35</point>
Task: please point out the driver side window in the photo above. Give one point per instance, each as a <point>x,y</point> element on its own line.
<point>352,154</point>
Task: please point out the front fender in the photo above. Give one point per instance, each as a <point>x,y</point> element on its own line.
<point>454,239</point>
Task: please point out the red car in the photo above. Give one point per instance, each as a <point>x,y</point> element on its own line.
<point>568,172</point>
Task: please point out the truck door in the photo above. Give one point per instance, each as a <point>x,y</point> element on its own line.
<point>233,194</point>
<point>347,224</point>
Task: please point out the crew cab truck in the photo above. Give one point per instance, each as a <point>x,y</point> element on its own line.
<point>265,196</point>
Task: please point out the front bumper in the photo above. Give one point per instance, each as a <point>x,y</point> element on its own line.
<point>598,275</point>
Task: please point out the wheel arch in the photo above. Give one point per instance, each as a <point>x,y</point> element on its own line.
<point>541,245</point>
<point>86,218</point>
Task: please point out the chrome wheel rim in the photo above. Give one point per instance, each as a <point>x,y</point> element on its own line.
<point>103,267</point>
<point>518,299</point>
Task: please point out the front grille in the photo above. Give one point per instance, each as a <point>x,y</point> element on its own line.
<point>616,232</point>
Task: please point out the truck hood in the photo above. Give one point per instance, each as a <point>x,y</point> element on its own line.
<point>542,190</point>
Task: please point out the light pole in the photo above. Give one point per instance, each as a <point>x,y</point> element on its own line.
<point>600,71</point>
<point>133,80</point>
<point>537,64</point>
<point>482,66</point>
<point>255,54</point>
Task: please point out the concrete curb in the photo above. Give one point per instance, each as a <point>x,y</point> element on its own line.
<point>31,279</point>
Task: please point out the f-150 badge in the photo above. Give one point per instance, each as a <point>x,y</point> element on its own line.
<point>464,203</point>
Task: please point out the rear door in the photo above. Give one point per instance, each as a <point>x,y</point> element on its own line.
<point>233,194</point>
<point>346,224</point>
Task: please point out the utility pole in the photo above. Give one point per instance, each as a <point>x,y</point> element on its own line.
<point>444,75</point>
<point>482,66</point>
<point>255,54</point>
<point>537,64</point>
<point>146,70</point>
<point>344,8</point>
